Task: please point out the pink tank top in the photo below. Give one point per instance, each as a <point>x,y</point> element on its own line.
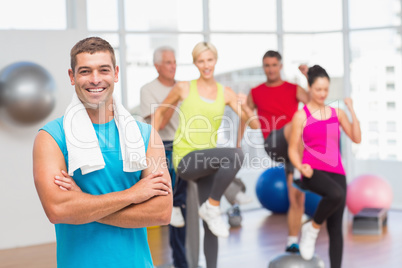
<point>321,143</point>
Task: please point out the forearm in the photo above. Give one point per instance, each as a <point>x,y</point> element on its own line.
<point>248,116</point>
<point>158,118</point>
<point>356,131</point>
<point>167,116</point>
<point>80,208</point>
<point>155,211</point>
<point>295,157</point>
<point>240,132</point>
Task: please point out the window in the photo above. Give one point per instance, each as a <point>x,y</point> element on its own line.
<point>323,49</point>
<point>162,15</point>
<point>373,141</point>
<point>102,15</point>
<point>391,142</point>
<point>391,86</point>
<point>391,106</point>
<point>391,126</point>
<point>375,78</point>
<point>392,157</point>
<point>234,53</point>
<point>302,15</point>
<point>33,15</point>
<point>374,155</point>
<point>373,106</point>
<point>390,69</point>
<point>229,15</point>
<point>373,126</point>
<point>374,13</point>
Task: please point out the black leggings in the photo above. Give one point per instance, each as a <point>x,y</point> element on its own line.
<point>213,170</point>
<point>332,188</point>
<point>276,147</point>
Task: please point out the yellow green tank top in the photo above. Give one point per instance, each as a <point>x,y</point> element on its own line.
<point>198,124</point>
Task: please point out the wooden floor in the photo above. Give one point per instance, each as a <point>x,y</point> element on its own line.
<point>261,238</point>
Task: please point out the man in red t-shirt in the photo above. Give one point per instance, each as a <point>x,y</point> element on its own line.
<point>275,102</point>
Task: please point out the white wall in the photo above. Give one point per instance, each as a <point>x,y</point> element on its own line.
<point>22,219</point>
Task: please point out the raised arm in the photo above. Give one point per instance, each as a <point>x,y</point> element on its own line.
<point>147,108</point>
<point>75,207</point>
<point>352,129</point>
<point>302,95</point>
<point>155,211</point>
<point>250,108</point>
<point>161,115</point>
<point>238,104</point>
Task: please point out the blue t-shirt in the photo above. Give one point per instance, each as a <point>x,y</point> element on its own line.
<point>96,244</point>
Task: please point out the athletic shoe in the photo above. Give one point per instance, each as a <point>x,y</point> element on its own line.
<point>177,219</point>
<point>242,199</point>
<point>212,216</point>
<point>234,216</point>
<point>307,241</point>
<point>293,248</point>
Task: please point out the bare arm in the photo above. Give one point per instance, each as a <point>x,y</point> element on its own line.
<point>74,207</point>
<point>352,129</point>
<point>250,106</point>
<point>64,206</point>
<point>302,95</point>
<point>169,113</point>
<point>295,144</point>
<point>161,116</point>
<point>146,107</point>
<point>241,108</point>
<point>167,116</point>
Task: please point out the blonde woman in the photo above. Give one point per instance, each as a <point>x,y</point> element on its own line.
<point>195,155</point>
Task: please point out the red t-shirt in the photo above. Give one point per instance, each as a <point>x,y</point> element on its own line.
<point>275,105</point>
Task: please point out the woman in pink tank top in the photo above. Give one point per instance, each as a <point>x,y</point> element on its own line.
<point>316,128</point>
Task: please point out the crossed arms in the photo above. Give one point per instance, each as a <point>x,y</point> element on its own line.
<point>147,203</point>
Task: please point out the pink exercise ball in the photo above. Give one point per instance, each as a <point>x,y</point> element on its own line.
<point>368,191</point>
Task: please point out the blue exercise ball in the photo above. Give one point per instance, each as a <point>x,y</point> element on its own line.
<point>27,92</point>
<point>311,203</point>
<point>272,190</point>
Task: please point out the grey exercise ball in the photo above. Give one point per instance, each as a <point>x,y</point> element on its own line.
<point>27,92</point>
<point>293,260</point>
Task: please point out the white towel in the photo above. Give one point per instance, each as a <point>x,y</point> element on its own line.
<point>83,146</point>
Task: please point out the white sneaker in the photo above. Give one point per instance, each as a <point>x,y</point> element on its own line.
<point>307,240</point>
<point>177,219</point>
<point>242,199</point>
<point>212,216</point>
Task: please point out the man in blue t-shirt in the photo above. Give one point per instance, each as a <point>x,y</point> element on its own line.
<point>100,212</point>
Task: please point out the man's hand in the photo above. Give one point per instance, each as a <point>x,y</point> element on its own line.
<point>303,69</point>
<point>152,185</point>
<point>146,188</point>
<point>66,183</point>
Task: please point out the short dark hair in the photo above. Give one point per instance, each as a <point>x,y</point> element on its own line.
<point>91,45</point>
<point>315,72</point>
<point>272,54</point>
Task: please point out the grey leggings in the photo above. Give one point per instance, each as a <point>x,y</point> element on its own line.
<point>212,170</point>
